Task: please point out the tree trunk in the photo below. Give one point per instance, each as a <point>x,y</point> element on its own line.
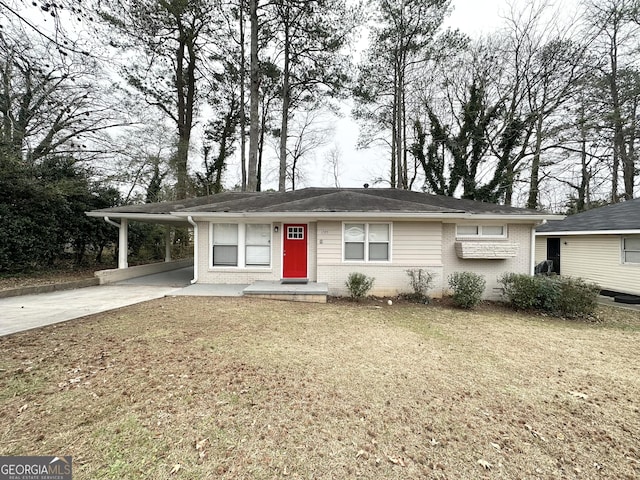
<point>243,120</point>
<point>186,87</point>
<point>534,183</point>
<point>618,136</point>
<point>398,140</point>
<point>252,179</point>
<point>394,127</point>
<point>182,153</point>
<point>628,165</point>
<point>282,177</point>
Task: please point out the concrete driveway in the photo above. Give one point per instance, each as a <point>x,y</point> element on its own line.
<point>31,311</point>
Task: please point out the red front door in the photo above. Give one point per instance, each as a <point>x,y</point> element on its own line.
<point>294,251</point>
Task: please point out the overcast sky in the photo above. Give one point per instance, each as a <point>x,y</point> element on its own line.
<point>474,17</point>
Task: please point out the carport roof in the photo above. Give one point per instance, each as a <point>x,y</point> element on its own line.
<point>323,202</point>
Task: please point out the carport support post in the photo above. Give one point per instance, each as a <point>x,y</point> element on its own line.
<point>167,244</point>
<point>123,243</point>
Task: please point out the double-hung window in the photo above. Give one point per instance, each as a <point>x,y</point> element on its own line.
<point>225,245</point>
<point>258,245</point>
<point>631,249</point>
<point>481,231</point>
<point>241,245</point>
<point>368,242</point>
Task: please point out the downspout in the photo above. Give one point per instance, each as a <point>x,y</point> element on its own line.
<point>533,251</point>
<point>111,222</point>
<point>195,249</point>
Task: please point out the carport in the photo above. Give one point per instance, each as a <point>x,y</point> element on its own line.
<point>156,213</point>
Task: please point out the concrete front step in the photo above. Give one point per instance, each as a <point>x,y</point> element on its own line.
<point>300,292</point>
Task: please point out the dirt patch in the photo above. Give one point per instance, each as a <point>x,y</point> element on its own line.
<point>246,388</point>
<point>53,277</point>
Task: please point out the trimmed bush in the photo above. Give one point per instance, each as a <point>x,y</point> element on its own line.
<point>525,292</point>
<point>359,285</point>
<point>577,298</point>
<point>421,282</point>
<point>562,296</point>
<point>468,288</point>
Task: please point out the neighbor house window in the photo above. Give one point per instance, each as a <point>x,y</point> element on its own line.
<point>631,249</point>
<point>367,241</point>
<point>481,231</point>
<point>225,244</point>
<point>258,245</point>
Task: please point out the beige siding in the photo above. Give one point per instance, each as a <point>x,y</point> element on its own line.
<point>491,269</point>
<point>413,245</point>
<point>597,258</point>
<point>541,249</point>
<point>312,253</point>
<point>421,242</point>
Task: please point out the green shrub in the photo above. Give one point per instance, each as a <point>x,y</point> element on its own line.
<point>525,292</point>
<point>562,296</point>
<point>359,285</point>
<point>576,298</point>
<point>421,281</point>
<point>468,288</point>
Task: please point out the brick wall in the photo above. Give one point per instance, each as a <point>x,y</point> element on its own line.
<point>491,269</point>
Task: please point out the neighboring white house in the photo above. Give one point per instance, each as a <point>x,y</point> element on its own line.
<point>600,245</point>
<point>323,234</point>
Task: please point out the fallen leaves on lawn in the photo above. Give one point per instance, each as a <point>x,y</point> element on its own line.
<point>581,395</point>
<point>200,448</point>
<point>534,433</point>
<point>397,460</point>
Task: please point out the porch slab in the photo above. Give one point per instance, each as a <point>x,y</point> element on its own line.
<point>212,290</point>
<point>298,292</point>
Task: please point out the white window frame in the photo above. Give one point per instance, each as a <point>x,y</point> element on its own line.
<point>480,235</point>
<point>242,247</point>
<point>366,242</point>
<point>236,245</point>
<point>623,250</point>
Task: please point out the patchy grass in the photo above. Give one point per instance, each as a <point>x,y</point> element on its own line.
<point>239,388</point>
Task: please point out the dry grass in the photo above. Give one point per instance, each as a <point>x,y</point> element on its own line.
<point>49,277</point>
<point>238,388</point>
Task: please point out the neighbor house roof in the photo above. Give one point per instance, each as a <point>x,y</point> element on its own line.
<point>618,217</point>
<point>322,202</point>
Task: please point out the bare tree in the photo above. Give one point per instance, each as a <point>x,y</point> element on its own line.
<point>310,131</point>
<point>51,105</point>
<point>333,160</point>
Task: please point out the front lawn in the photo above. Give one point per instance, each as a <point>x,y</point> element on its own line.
<point>194,388</point>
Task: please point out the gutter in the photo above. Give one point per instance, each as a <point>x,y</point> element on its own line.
<point>535,218</point>
<point>565,233</point>
<point>142,217</point>
<point>195,249</point>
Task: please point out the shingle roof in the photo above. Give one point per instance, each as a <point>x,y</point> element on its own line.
<point>618,216</point>
<point>316,200</point>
